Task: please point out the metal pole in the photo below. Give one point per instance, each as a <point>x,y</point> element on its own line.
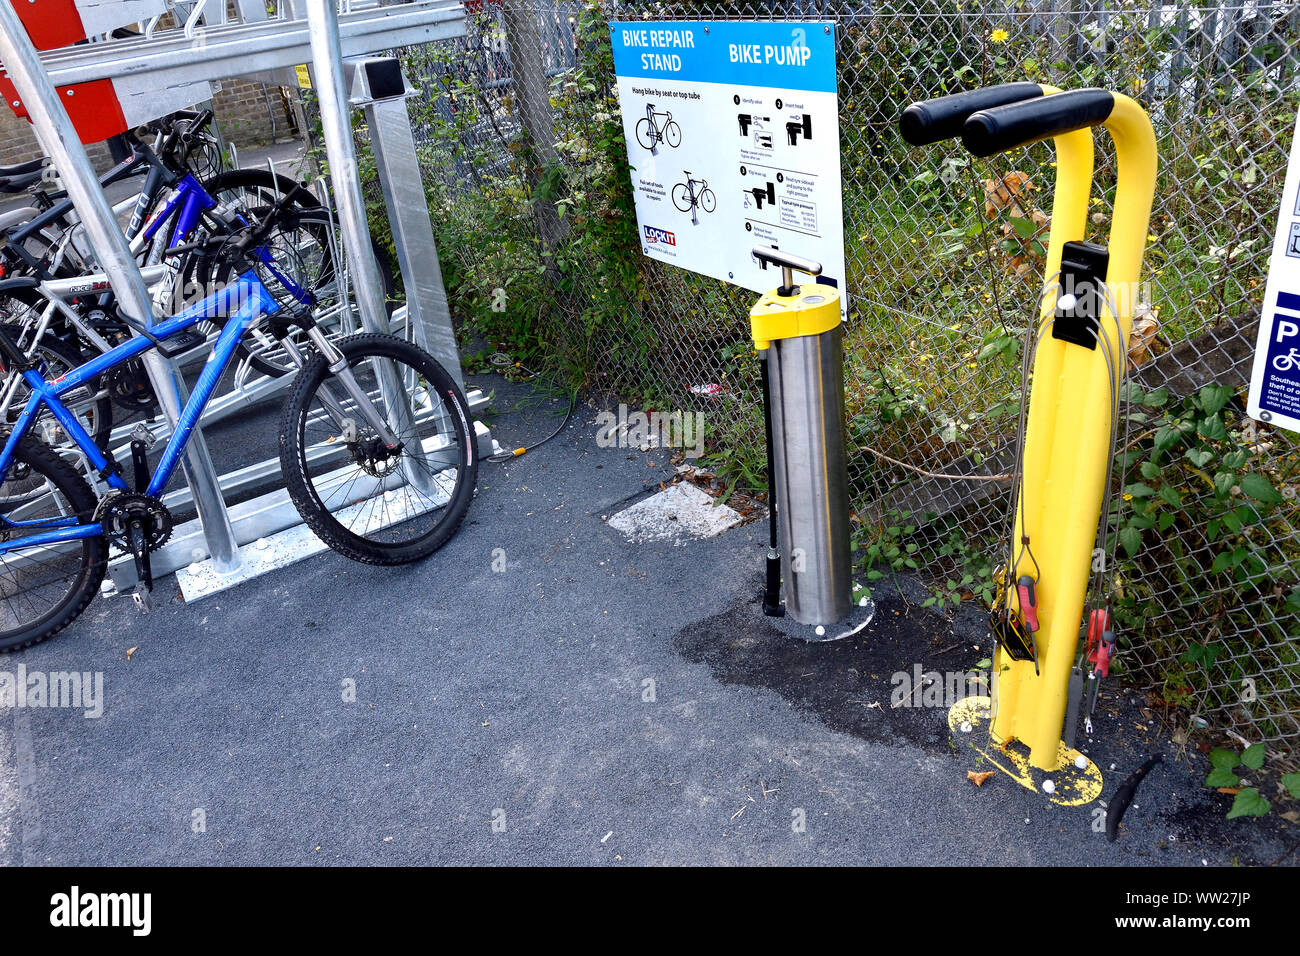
<point>341,150</point>
<point>807,399</point>
<point>408,212</point>
<point>58,138</point>
<point>336,125</point>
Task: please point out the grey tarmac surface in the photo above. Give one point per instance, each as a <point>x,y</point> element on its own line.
<point>521,696</point>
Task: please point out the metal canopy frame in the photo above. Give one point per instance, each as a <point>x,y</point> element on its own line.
<point>304,31</point>
<point>243,49</point>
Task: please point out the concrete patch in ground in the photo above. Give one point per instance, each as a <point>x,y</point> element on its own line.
<point>678,512</point>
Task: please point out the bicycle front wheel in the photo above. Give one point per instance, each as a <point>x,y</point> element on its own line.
<point>682,198</point>
<point>370,502</point>
<point>645,134</point>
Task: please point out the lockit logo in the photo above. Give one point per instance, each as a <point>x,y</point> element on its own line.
<point>76,909</point>
<point>656,236</point>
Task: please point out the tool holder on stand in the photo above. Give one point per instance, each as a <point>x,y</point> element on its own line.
<point>338,49</point>
<point>1082,335</point>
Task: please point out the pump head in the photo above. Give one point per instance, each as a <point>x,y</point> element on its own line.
<point>788,263</point>
<point>789,311</point>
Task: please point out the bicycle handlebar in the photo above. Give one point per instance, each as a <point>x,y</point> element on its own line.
<point>942,118</point>
<point>1001,128</point>
<point>184,128</point>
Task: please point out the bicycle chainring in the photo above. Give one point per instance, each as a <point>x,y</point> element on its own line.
<point>129,387</point>
<point>119,508</point>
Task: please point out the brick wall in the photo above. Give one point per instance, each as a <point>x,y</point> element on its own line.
<point>240,106</point>
<point>18,143</point>
<point>245,117</point>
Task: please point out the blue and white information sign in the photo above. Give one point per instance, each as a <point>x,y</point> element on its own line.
<point>734,141</point>
<point>1275,380</point>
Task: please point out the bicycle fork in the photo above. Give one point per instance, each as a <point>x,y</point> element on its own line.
<point>389,385</point>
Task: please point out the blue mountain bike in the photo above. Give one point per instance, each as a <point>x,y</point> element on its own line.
<point>376,449</point>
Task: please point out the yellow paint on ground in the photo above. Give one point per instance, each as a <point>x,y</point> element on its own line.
<point>1075,782</point>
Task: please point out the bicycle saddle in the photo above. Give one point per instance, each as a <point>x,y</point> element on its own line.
<point>20,169</point>
<point>21,176</point>
<point>16,217</point>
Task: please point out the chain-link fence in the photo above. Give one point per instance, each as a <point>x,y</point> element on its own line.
<point>522,144</point>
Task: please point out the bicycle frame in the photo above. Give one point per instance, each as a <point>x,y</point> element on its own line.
<point>650,115</point>
<point>187,204</point>
<point>242,303</point>
<point>123,170</point>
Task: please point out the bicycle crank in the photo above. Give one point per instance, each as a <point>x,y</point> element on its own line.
<point>137,524</point>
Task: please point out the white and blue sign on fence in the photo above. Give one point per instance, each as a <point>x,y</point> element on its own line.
<point>1275,379</point>
<point>733,137</point>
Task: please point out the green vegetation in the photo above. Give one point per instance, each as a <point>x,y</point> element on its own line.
<point>542,260</point>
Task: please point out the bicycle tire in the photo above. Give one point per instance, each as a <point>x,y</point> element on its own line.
<point>89,555</point>
<point>708,201</point>
<point>268,188</point>
<point>305,493</point>
<point>263,190</point>
<point>648,135</point>
<point>673,134</point>
<point>684,204</point>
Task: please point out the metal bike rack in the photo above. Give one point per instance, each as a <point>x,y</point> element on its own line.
<point>339,48</point>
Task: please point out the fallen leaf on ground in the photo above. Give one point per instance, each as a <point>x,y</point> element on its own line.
<point>131,650</point>
<point>978,778</point>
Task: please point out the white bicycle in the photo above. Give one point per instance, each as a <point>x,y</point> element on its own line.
<point>1284,363</point>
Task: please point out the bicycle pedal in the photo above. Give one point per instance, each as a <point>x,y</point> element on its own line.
<point>144,436</point>
<point>181,342</point>
<point>143,599</point>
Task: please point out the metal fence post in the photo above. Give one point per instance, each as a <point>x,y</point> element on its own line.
<point>531,90</point>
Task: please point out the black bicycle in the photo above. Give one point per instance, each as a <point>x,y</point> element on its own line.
<point>655,128</point>
<point>694,194</point>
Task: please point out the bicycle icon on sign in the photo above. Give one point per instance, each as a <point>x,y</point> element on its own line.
<point>655,128</point>
<point>694,194</point>
<point>1285,363</point>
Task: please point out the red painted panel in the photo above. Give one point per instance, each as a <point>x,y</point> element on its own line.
<point>50,23</point>
<point>92,107</point>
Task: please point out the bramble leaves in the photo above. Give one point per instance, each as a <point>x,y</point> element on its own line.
<point>1249,803</point>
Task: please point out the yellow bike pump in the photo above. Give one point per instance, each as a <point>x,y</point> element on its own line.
<point>800,341</point>
<point>1082,335</point>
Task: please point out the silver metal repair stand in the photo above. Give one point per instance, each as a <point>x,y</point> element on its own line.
<point>263,47</point>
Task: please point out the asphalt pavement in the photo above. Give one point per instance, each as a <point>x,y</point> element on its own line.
<point>542,690</point>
